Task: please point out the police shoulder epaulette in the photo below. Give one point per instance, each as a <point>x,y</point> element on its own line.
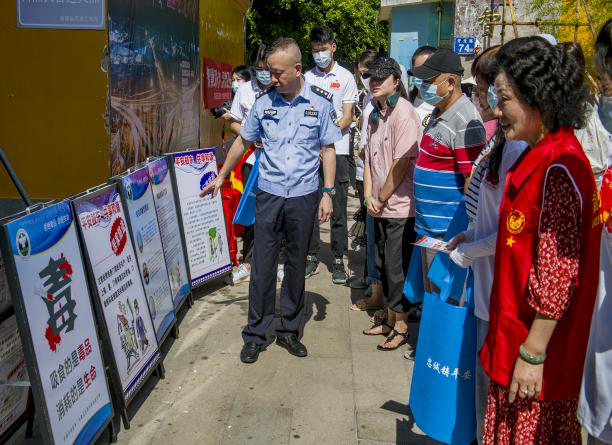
<point>321,92</point>
<point>263,93</point>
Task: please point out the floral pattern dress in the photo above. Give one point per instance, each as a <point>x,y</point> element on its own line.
<point>551,283</point>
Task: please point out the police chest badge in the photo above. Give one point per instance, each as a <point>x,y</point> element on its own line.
<point>311,113</point>
<point>270,112</point>
<point>515,222</point>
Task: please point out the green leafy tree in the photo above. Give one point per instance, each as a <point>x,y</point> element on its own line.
<point>565,11</point>
<point>354,22</point>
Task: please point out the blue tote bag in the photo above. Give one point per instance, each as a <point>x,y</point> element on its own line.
<point>443,272</point>
<point>438,272</point>
<point>443,378</point>
<point>245,213</point>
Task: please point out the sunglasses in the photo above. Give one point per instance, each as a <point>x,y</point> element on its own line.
<point>366,76</point>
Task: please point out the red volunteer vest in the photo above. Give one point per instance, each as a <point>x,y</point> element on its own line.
<point>510,314</point>
<point>606,199</point>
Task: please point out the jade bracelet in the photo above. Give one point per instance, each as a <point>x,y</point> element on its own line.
<point>531,359</point>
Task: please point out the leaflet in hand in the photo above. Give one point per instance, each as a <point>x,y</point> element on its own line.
<point>432,243</point>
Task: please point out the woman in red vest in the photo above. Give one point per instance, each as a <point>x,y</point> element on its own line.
<point>547,253</point>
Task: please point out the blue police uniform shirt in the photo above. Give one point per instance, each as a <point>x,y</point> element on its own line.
<point>292,133</point>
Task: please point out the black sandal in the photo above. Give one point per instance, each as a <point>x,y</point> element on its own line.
<point>375,325</point>
<point>394,334</point>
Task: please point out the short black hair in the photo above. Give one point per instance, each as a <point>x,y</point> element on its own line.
<point>261,55</point>
<point>321,35</point>
<point>243,71</point>
<point>425,50</point>
<point>366,58</point>
<point>284,44</point>
<point>484,63</point>
<point>548,78</point>
<point>603,49</point>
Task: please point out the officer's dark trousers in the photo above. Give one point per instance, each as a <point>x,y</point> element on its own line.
<point>338,222</point>
<point>277,217</point>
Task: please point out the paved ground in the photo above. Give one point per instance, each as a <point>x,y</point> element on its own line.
<point>344,392</point>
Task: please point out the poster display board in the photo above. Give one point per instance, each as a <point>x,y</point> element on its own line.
<point>172,243</point>
<point>202,218</point>
<point>13,399</point>
<point>142,217</point>
<point>56,324</point>
<point>108,247</point>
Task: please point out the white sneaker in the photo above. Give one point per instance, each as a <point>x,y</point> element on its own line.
<point>242,273</point>
<point>280,273</point>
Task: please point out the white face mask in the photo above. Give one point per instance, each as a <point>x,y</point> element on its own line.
<point>322,58</point>
<point>365,82</point>
<point>235,85</point>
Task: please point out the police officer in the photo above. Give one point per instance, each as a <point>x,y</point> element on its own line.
<point>296,124</point>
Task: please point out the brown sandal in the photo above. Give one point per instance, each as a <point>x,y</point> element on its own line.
<point>380,316</point>
<point>362,305</point>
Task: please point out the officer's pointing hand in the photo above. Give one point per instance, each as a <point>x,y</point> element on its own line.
<point>212,187</point>
<point>325,208</point>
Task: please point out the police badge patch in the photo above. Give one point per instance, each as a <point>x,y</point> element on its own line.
<point>270,112</point>
<point>334,117</point>
<point>311,113</point>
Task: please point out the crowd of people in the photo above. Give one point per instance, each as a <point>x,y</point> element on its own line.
<point>527,157</point>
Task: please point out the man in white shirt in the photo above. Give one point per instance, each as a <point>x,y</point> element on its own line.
<point>341,83</point>
<point>241,106</point>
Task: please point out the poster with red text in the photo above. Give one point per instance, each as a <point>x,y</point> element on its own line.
<point>110,251</point>
<point>217,81</point>
<point>56,324</point>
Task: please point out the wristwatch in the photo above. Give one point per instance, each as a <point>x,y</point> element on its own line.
<point>329,191</point>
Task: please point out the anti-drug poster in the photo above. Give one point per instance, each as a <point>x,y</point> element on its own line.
<point>203,220</point>
<point>149,251</point>
<point>13,399</point>
<point>163,193</point>
<point>110,252</point>
<point>55,314</point>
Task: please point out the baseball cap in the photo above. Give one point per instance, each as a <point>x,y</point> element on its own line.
<point>383,67</point>
<point>442,61</point>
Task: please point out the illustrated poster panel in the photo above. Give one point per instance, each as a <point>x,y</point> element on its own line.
<point>113,262</point>
<point>154,74</point>
<point>163,193</point>
<point>203,220</point>
<point>149,251</point>
<point>14,399</point>
<point>57,304</point>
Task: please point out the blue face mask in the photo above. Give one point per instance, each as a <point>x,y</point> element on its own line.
<point>263,77</point>
<point>429,92</point>
<point>322,58</point>
<point>492,97</point>
<point>605,112</point>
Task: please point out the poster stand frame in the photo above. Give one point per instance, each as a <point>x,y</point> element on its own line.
<point>189,297</point>
<point>26,340</point>
<point>114,380</point>
<point>172,329</point>
<point>179,213</point>
<point>28,414</point>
